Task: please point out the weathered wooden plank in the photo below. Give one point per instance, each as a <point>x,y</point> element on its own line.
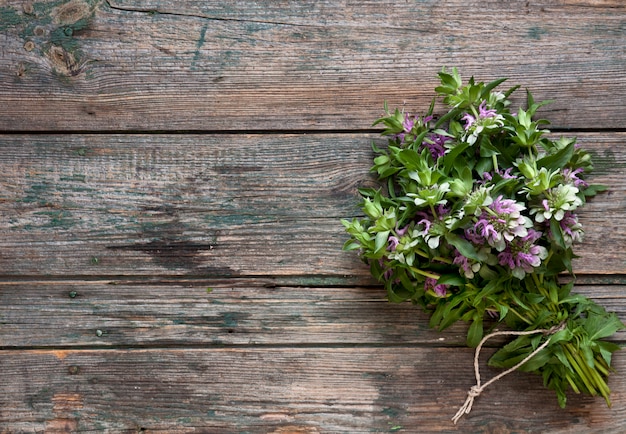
<point>239,312</point>
<point>273,390</point>
<point>123,64</point>
<point>221,205</point>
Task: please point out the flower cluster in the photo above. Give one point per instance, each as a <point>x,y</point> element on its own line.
<point>476,218</point>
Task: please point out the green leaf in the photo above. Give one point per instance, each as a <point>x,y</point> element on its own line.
<point>368,192</point>
<point>436,316</point>
<point>557,233</point>
<point>607,349</point>
<point>594,189</point>
<point>530,101</point>
<point>381,241</point>
<point>484,165</point>
<point>475,333</point>
<point>351,245</point>
<point>450,157</point>
<point>397,294</point>
<point>487,149</point>
<point>452,312</point>
<point>411,159</point>
<point>559,159</point>
<point>372,209</point>
<point>602,326</point>
<point>462,245</point>
<point>450,115</point>
<point>537,361</point>
<point>490,86</point>
<point>451,279</point>
<point>511,90</point>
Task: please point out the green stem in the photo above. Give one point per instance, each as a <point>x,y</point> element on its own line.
<point>601,366</point>
<point>570,355</point>
<point>436,258</point>
<point>517,314</point>
<point>572,383</point>
<point>599,380</point>
<point>432,209</point>
<point>425,273</point>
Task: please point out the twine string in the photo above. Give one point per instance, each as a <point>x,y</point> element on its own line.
<point>477,389</point>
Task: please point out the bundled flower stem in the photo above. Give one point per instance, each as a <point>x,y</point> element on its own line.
<point>476,220</point>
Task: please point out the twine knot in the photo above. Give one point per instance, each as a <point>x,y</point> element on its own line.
<point>477,389</point>
<point>474,391</point>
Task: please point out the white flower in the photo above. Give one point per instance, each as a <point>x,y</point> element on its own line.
<point>558,201</point>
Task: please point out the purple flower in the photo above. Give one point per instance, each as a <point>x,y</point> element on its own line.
<point>435,144</point>
<point>471,235</point>
<point>408,123</point>
<point>571,177</point>
<point>506,174</point>
<point>393,243</point>
<point>469,120</point>
<point>521,255</point>
<point>507,206</point>
<point>442,211</point>
<point>388,272</point>
<point>558,201</point>
<point>425,223</point>
<point>500,222</point>
<point>572,230</point>
<point>486,231</point>
<point>484,113</point>
<point>467,266</point>
<point>401,232</point>
<point>439,290</point>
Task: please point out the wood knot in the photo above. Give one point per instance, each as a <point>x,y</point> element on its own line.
<point>28,8</point>
<point>63,61</point>
<point>71,12</point>
<point>29,46</point>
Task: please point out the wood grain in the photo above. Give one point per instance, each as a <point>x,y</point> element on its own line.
<point>221,205</point>
<point>248,65</point>
<point>282,390</point>
<point>243,312</point>
<point>152,149</point>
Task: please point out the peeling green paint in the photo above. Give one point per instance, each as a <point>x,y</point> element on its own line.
<point>58,219</point>
<point>53,29</point>
<point>605,163</point>
<point>230,320</point>
<point>391,412</point>
<point>536,32</point>
<point>196,54</point>
<point>74,177</point>
<point>36,193</point>
<point>9,17</point>
<point>81,152</point>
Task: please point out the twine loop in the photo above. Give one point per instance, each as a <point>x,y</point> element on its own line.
<point>477,389</point>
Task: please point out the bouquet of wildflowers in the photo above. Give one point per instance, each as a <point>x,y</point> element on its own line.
<point>475,221</point>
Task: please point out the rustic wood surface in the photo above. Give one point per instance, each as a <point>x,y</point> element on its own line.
<point>151,150</point>
<point>284,65</point>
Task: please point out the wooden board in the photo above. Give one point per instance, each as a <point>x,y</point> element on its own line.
<point>221,205</point>
<point>249,65</point>
<point>241,312</point>
<point>282,390</point>
<point>153,149</point>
